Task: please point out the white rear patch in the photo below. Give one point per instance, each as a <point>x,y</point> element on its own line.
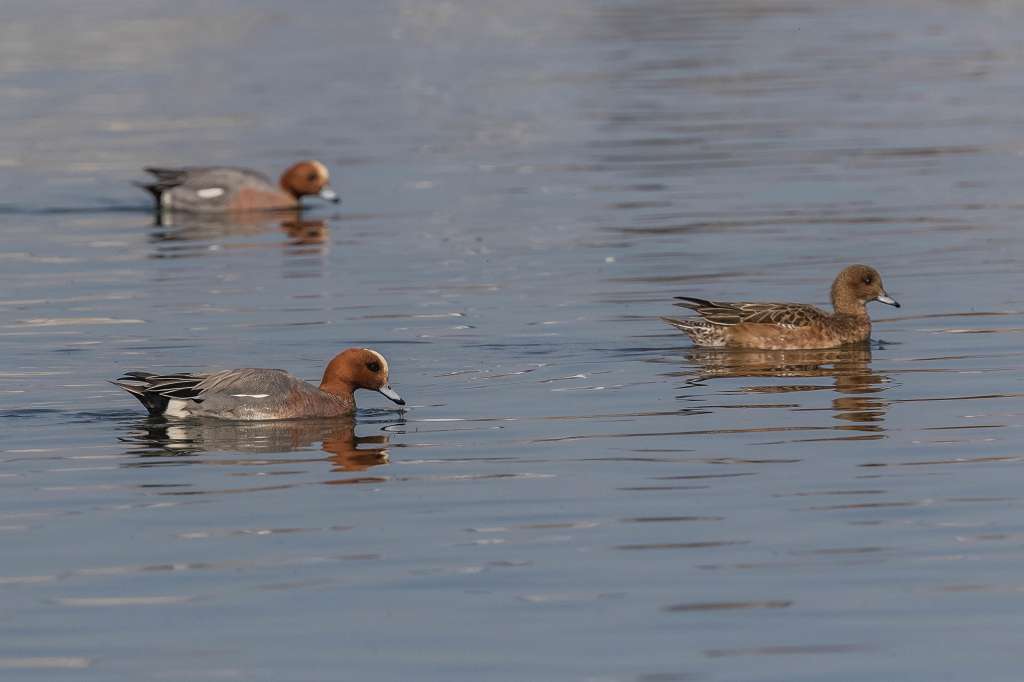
<point>176,408</point>
<point>209,192</point>
<point>250,395</point>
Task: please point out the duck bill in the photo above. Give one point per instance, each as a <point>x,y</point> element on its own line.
<point>886,299</point>
<point>390,394</point>
<point>328,194</point>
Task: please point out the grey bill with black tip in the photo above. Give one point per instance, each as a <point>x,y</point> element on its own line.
<point>328,194</point>
<point>391,394</point>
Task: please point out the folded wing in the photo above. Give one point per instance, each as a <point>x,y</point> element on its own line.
<point>231,386</point>
<point>734,313</point>
<point>201,187</point>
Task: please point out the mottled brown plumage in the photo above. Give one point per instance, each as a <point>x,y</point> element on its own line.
<point>783,326</point>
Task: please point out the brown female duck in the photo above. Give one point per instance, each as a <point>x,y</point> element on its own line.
<point>788,326</point>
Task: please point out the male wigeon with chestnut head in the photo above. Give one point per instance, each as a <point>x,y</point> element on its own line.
<point>212,189</point>
<point>788,326</point>
<point>256,394</point>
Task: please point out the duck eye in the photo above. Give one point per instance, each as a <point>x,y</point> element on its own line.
<point>312,177</point>
<point>868,279</point>
<point>373,366</point>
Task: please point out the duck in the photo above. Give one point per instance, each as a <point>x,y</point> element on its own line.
<point>788,326</point>
<point>226,189</point>
<point>251,394</point>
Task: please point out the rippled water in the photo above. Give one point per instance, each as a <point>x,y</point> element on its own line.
<point>574,492</point>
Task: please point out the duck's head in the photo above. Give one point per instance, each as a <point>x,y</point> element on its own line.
<point>359,368</point>
<point>857,285</point>
<point>308,178</point>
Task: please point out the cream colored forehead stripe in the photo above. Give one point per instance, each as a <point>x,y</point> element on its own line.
<point>322,169</point>
<point>383,362</point>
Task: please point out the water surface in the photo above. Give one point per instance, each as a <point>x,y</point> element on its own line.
<point>574,492</point>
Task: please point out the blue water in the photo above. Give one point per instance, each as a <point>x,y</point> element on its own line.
<point>573,492</point>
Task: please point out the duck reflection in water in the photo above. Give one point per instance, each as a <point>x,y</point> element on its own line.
<point>306,232</point>
<point>858,402</point>
<point>299,231</point>
<point>346,451</point>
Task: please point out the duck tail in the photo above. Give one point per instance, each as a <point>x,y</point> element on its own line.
<point>135,383</point>
<point>686,326</point>
<point>153,188</point>
<point>701,332</point>
<point>693,303</point>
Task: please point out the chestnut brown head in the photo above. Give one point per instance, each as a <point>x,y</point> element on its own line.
<point>308,178</point>
<point>358,368</point>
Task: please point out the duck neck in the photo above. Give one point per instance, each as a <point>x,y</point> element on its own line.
<point>845,303</point>
<point>283,184</point>
<point>337,387</point>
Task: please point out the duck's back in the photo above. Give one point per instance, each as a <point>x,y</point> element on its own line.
<point>215,189</point>
<point>749,312</point>
<point>239,394</point>
<point>253,393</point>
<point>768,326</point>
